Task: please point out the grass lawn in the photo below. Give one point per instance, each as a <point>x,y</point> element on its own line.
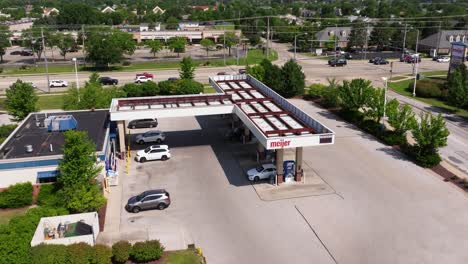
<point>401,88</point>
<point>188,256</point>
<point>254,57</point>
<point>396,78</point>
<point>224,27</point>
<point>7,214</point>
<point>43,103</point>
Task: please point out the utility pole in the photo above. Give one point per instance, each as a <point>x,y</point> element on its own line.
<point>224,47</point>
<point>45,59</point>
<point>438,39</point>
<point>367,39</point>
<point>391,70</point>
<point>404,42</point>
<point>268,38</point>
<point>295,44</point>
<point>83,41</point>
<point>336,38</point>
<point>416,59</point>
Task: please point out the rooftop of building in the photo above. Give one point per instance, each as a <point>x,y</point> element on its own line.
<point>44,143</point>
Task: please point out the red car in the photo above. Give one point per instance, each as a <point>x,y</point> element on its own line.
<point>147,75</point>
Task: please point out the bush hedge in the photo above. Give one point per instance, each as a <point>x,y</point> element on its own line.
<point>79,253</point>
<point>316,90</point>
<point>426,160</point>
<point>5,131</point>
<point>427,88</point>
<point>48,196</point>
<point>49,254</point>
<point>15,237</point>
<point>17,195</point>
<point>121,251</point>
<point>102,254</point>
<point>146,251</point>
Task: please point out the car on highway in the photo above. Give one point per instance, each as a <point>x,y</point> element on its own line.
<point>147,75</point>
<point>412,58</point>
<point>337,62</point>
<point>374,59</point>
<point>154,152</point>
<point>172,79</point>
<point>381,61</point>
<point>151,199</point>
<point>242,71</point>
<point>151,136</point>
<point>58,83</point>
<point>143,123</point>
<point>443,59</point>
<point>32,84</point>
<point>142,79</point>
<point>261,172</point>
<point>221,73</point>
<point>108,81</point>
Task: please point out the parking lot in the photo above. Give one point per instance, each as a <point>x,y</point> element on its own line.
<point>384,210</point>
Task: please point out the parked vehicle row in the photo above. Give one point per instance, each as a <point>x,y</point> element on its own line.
<point>378,61</point>
<point>25,52</point>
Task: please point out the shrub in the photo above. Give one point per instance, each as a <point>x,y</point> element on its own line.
<point>187,86</point>
<point>80,253</point>
<point>49,254</point>
<point>24,67</point>
<point>15,237</point>
<point>48,196</point>
<point>316,90</point>
<point>5,131</point>
<point>354,117</point>
<point>428,160</point>
<point>391,138</point>
<point>17,195</point>
<point>102,254</point>
<point>126,63</point>
<point>121,251</point>
<point>146,251</point>
<point>330,98</point>
<point>429,88</point>
<point>1,70</point>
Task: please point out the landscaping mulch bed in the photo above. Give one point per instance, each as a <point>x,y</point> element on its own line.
<point>102,217</point>
<point>450,177</point>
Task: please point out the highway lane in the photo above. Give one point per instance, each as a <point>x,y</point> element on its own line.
<point>201,75</point>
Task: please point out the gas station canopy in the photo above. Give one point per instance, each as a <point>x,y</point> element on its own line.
<point>274,121</point>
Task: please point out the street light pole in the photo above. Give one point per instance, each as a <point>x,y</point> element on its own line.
<point>76,79</point>
<point>385,101</point>
<point>416,59</point>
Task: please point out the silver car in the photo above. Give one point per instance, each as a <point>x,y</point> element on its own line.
<point>151,199</point>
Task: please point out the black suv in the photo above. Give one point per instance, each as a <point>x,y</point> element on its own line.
<point>380,61</point>
<point>108,81</point>
<point>152,199</point>
<point>143,123</point>
<point>337,62</point>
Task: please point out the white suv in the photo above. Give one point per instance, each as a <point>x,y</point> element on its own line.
<point>58,83</point>
<point>142,79</point>
<point>151,136</point>
<point>155,152</point>
<point>261,172</point>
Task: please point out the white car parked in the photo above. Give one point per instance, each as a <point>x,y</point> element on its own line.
<point>58,83</point>
<point>142,79</point>
<point>151,136</point>
<point>261,172</point>
<point>155,152</point>
<point>443,59</point>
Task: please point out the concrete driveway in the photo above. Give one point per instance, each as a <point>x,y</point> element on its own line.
<point>385,210</point>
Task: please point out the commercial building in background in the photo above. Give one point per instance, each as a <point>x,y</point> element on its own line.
<point>440,43</point>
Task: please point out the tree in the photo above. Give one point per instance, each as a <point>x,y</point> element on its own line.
<point>207,45</point>
<point>331,42</point>
<point>187,68</point>
<point>172,23</point>
<point>108,46</point>
<point>188,86</point>
<point>52,41</point>
<point>78,172</point>
<point>20,100</point>
<point>355,94</point>
<point>78,14</point>
<point>177,45</point>
<point>4,40</point>
<point>430,133</point>
<point>155,46</point>
<point>229,39</point>
<point>257,71</point>
<point>293,79</point>
<point>273,75</point>
<point>381,35</point>
<point>32,39</point>
<point>65,43</point>
<point>457,85</point>
<point>375,104</point>
<point>357,36</point>
<point>401,118</point>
